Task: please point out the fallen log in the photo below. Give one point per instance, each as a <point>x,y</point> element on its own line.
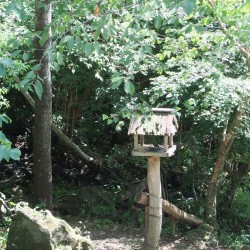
<point>63,138</point>
<point>169,208</point>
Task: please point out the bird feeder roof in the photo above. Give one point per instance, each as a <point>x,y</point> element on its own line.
<point>161,123</point>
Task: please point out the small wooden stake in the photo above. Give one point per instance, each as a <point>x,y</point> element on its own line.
<point>172,227</point>
<point>155,205</point>
<point>146,220</point>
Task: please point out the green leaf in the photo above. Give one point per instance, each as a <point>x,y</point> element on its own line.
<point>141,53</point>
<point>15,154</point>
<point>104,117</point>
<point>4,153</point>
<point>97,34</point>
<point>59,58</point>
<point>79,43</point>
<point>25,56</point>
<point>24,82</point>
<point>105,33</point>
<point>148,49</point>
<point>37,67</point>
<point>7,62</point>
<point>31,75</point>
<point>128,59</point>
<point>157,22</point>
<point>10,7</point>
<point>4,140</point>
<point>98,48</point>
<point>116,82</point>
<point>44,38</point>
<point>5,118</point>
<point>129,87</point>
<point>189,28</point>
<point>198,28</point>
<point>16,52</point>
<point>2,71</point>
<point>65,39</point>
<point>189,6</point>
<point>71,43</point>
<point>38,89</point>
<point>88,49</point>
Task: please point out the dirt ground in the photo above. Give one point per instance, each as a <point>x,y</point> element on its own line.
<point>127,238</point>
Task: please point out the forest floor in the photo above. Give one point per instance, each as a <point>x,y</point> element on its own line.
<point>105,234</point>
<point>120,237</point>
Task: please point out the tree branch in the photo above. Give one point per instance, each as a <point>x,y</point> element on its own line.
<point>64,138</point>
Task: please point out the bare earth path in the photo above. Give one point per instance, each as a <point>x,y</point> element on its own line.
<point>127,238</point>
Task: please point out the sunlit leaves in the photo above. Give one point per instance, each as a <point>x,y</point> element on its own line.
<point>6,153</point>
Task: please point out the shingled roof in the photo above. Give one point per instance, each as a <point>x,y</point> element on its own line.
<point>161,123</point>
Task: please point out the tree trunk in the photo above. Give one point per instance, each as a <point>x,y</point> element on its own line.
<point>170,209</point>
<point>226,145</point>
<point>153,229</point>
<point>236,177</point>
<point>42,170</point>
<point>211,210</point>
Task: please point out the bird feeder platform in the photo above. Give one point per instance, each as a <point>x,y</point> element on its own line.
<point>161,123</point>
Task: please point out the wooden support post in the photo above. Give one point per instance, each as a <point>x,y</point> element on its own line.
<point>142,140</point>
<point>155,205</point>
<point>171,141</point>
<point>165,143</point>
<point>136,142</point>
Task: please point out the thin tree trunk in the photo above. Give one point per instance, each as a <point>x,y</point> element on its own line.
<point>227,143</point>
<point>236,179</point>
<point>42,170</point>
<point>211,210</point>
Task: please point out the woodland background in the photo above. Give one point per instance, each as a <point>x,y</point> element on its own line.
<point>87,68</point>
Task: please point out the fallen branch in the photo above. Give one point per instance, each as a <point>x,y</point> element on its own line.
<point>63,138</point>
<point>172,210</point>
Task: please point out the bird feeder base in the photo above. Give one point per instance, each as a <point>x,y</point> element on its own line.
<point>151,150</point>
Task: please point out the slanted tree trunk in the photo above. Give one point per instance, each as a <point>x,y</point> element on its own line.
<point>227,143</point>
<point>42,170</point>
<point>211,210</point>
